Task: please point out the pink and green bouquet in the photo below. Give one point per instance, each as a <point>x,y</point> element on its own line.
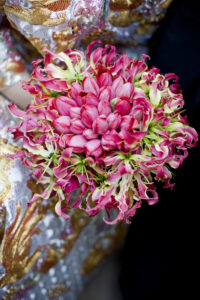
<point>105,125</point>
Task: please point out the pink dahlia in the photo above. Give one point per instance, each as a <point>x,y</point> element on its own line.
<point>106,125</point>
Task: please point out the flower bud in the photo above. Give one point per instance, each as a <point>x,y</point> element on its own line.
<point>77,143</point>
<point>104,107</point>
<point>90,86</point>
<point>88,115</point>
<point>106,93</point>
<point>89,134</point>
<point>91,99</point>
<point>93,148</point>
<point>126,122</point>
<point>105,79</point>
<point>126,91</point>
<point>100,125</point>
<point>117,84</point>
<point>77,126</point>
<point>110,140</point>
<point>75,112</point>
<point>63,105</point>
<point>122,106</point>
<point>62,124</point>
<point>114,119</point>
<point>64,140</point>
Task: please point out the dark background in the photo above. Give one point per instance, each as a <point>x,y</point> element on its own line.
<point>161,255</point>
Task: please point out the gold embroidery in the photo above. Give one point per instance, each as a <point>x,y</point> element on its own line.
<point>34,16</point>
<point>124,19</point>
<point>166,4</point>
<point>30,52</point>
<point>15,248</point>
<point>78,221</point>
<point>38,43</point>
<point>119,5</point>
<point>143,29</point>
<point>62,14</point>
<point>14,26</point>
<point>16,67</point>
<point>1,5</point>
<point>35,188</point>
<point>145,26</point>
<point>57,291</point>
<point>103,34</point>
<point>53,5</point>
<point>10,293</point>
<point>59,5</point>
<point>2,222</point>
<point>64,39</point>
<point>41,2</point>
<point>103,247</point>
<point>5,164</point>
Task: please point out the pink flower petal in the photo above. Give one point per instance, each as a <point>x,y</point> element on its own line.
<point>90,86</point>
<point>100,125</point>
<point>122,106</point>
<point>62,124</point>
<point>93,148</point>
<point>88,115</point>
<point>77,143</point>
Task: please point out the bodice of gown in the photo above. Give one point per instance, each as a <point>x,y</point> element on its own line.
<point>60,24</point>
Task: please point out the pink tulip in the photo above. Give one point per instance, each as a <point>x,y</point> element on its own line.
<point>76,91</point>
<point>132,139</point>
<point>63,105</point>
<point>105,79</point>
<point>88,115</point>
<point>117,84</point>
<point>62,124</point>
<point>104,107</point>
<point>122,106</point>
<point>91,99</point>
<point>77,126</point>
<point>95,54</point>
<point>110,140</point>
<point>77,143</point>
<point>142,112</point>
<point>106,93</point>
<point>55,84</point>
<point>89,134</point>
<point>75,112</point>
<point>139,93</point>
<point>100,125</point>
<point>93,148</point>
<point>127,122</point>
<point>126,91</point>
<point>90,86</point>
<point>114,119</point>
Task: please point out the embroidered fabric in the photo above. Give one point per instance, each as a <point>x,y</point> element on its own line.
<point>58,24</point>
<point>12,67</point>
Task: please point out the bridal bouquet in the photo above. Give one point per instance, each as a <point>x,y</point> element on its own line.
<point>104,125</point>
